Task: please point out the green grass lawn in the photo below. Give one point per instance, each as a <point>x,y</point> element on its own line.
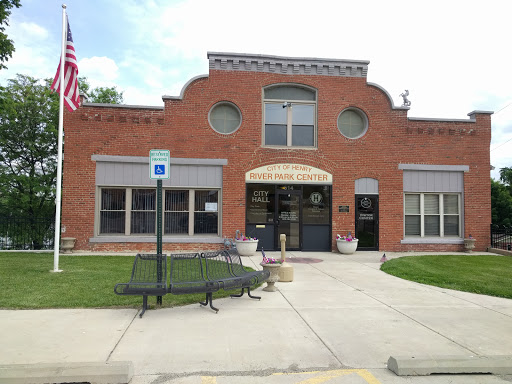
<point>488,275</point>
<point>86,282</point>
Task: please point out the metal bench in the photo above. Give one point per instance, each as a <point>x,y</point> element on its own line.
<point>149,278</point>
<point>205,272</point>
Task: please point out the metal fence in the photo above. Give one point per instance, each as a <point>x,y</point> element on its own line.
<point>501,237</point>
<point>26,233</point>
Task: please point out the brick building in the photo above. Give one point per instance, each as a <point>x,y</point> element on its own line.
<point>269,145</point>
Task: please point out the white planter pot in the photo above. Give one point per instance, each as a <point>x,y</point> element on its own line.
<point>246,247</point>
<point>347,247</point>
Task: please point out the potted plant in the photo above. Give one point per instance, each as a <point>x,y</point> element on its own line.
<point>273,266</point>
<point>469,244</point>
<point>346,244</point>
<point>246,246</point>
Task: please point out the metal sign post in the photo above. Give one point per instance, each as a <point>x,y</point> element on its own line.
<point>159,164</point>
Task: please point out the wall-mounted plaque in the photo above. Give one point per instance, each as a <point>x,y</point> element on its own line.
<point>343,208</point>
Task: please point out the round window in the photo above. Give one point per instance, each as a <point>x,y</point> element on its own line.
<point>225,117</point>
<point>352,123</point>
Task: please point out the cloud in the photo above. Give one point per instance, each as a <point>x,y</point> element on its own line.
<point>100,71</point>
<point>31,32</point>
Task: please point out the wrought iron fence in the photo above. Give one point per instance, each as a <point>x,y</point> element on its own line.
<point>25,233</point>
<point>501,237</point>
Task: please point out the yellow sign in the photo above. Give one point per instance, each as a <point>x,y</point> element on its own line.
<point>288,173</point>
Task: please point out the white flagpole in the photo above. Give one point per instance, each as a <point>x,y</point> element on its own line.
<point>59,153</point>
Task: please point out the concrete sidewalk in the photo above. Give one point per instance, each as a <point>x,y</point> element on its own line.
<point>340,315</point>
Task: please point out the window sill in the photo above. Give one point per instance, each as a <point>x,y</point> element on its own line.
<point>432,240</point>
<point>152,239</point>
<point>281,147</point>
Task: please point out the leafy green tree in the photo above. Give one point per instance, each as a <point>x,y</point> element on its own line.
<point>105,95</point>
<point>28,150</point>
<point>501,204</point>
<point>6,44</point>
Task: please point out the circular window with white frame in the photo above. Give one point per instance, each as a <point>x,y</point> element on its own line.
<point>352,123</point>
<point>225,117</point>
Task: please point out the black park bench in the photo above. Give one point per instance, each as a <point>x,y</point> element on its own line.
<point>205,272</point>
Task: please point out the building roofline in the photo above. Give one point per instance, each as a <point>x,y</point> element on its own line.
<point>287,65</point>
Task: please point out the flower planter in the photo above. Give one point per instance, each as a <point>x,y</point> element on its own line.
<point>246,247</point>
<point>274,276</point>
<point>469,244</point>
<point>347,247</point>
<point>67,244</point>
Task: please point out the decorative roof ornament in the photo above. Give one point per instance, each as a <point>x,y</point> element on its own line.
<point>406,103</point>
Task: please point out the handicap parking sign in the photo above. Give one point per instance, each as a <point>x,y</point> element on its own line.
<point>159,169</point>
<point>159,163</point>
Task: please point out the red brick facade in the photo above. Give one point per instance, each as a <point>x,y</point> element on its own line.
<point>182,127</point>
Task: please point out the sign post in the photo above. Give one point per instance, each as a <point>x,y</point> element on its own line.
<point>159,164</point>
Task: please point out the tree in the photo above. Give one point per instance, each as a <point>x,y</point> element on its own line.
<point>105,95</point>
<point>6,44</point>
<point>28,136</point>
<point>501,204</point>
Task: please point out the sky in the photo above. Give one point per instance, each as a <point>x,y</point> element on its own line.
<point>453,56</point>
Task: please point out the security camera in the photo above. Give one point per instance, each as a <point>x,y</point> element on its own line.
<point>287,104</point>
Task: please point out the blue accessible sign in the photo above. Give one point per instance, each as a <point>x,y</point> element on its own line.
<point>159,164</point>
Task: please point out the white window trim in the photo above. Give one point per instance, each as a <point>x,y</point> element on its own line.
<point>289,116</point>
<point>411,239</point>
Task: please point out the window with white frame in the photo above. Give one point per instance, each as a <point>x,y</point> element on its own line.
<point>432,215</point>
<point>290,116</point>
<point>132,211</point>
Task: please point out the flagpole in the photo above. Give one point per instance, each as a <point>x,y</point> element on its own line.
<point>58,193</point>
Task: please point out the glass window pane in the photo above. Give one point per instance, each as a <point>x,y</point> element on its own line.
<point>275,114</point>
<point>143,199</point>
<point>412,204</point>
<point>289,93</point>
<point>303,135</point>
<point>113,199</point>
<point>176,200</point>
<point>206,201</point>
<point>412,226</point>
<point>303,114</point>
<point>143,222</point>
<point>205,222</point>
<point>260,203</point>
<point>432,225</point>
<point>316,201</point>
<point>112,222</point>
<point>451,204</point>
<point>451,225</point>
<point>431,204</point>
<point>176,222</point>
<point>351,124</point>
<point>275,134</point>
<point>225,118</point>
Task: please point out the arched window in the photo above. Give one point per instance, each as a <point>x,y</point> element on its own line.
<point>290,116</point>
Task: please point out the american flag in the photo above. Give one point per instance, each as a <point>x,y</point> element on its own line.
<point>71,93</point>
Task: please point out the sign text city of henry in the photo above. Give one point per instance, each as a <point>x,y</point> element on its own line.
<point>297,173</point>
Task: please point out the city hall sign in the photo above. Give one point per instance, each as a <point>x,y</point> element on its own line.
<point>288,173</point>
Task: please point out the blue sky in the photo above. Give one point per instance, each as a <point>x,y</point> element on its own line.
<point>453,56</point>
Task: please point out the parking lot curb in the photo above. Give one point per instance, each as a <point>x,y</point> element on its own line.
<point>426,365</point>
<point>114,372</point>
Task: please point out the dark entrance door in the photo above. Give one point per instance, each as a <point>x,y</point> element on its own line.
<point>367,222</point>
<point>288,218</point>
